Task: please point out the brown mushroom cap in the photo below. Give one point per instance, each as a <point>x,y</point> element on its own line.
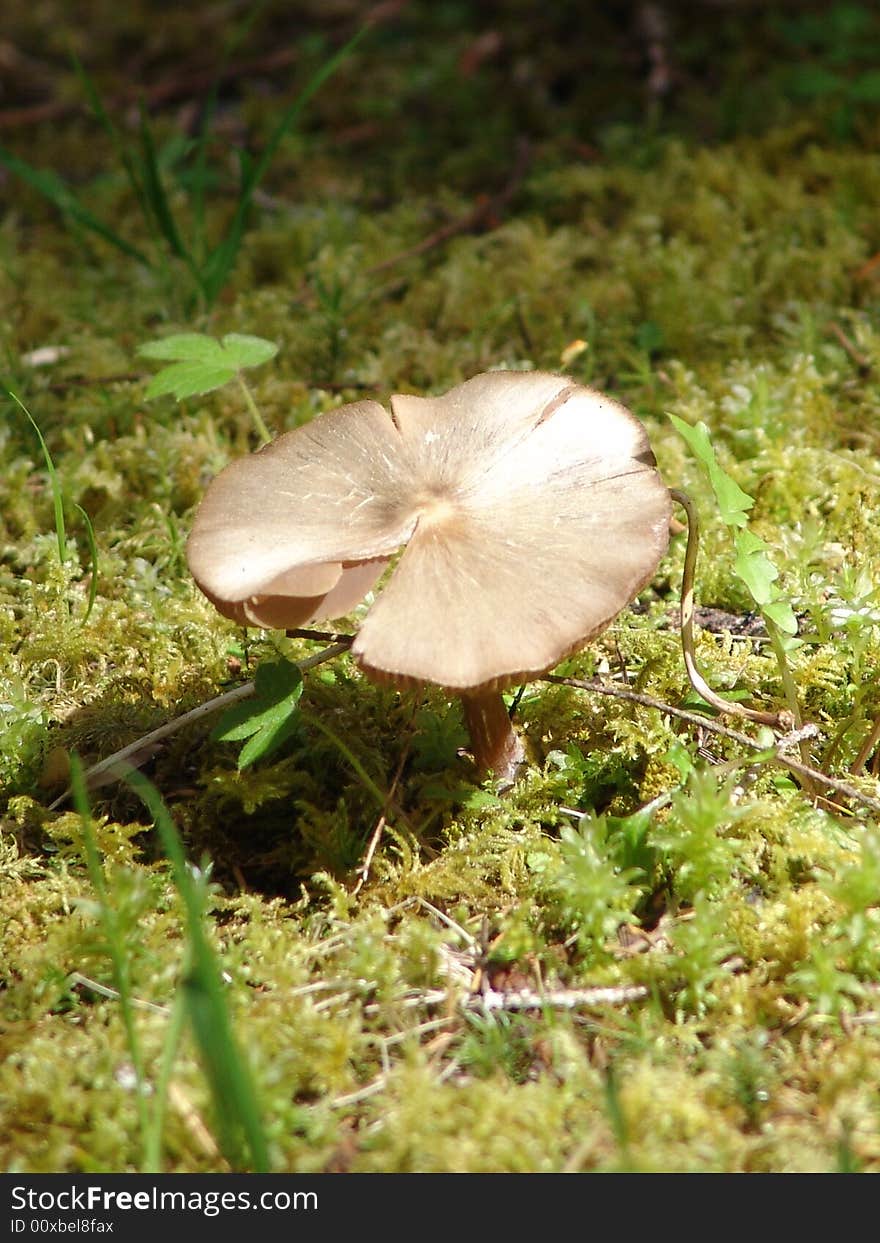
<point>530,509</point>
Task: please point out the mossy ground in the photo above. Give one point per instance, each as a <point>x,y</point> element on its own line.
<point>716,252</point>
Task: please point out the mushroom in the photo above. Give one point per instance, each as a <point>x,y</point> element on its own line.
<point>530,513</point>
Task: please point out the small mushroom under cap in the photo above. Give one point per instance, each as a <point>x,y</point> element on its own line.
<point>530,510</point>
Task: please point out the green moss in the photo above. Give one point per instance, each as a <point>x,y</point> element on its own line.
<point>730,281</point>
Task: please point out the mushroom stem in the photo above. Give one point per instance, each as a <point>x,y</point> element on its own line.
<point>496,746</point>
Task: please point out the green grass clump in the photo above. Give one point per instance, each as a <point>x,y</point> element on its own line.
<point>658,951</point>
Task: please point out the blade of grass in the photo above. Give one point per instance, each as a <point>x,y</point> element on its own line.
<point>114,937</point>
<point>170,1045</point>
<point>53,189</point>
<point>291,114</point>
<point>220,262</point>
<point>229,1077</point>
<point>137,177</point>
<point>106,122</point>
<point>157,203</point>
<point>618,1121</point>
<point>57,501</point>
<point>234,41</point>
<point>93,561</point>
<point>366,780</point>
<point>155,199</point>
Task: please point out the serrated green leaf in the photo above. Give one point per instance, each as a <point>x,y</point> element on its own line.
<point>189,380</point>
<point>780,612</point>
<point>733,502</point>
<point>268,740</point>
<point>748,542</point>
<point>236,723</point>
<point>277,678</point>
<point>185,347</point>
<point>264,717</point>
<point>268,718</point>
<point>754,567</point>
<point>277,688</point>
<point>245,351</point>
<point>200,364</point>
<point>53,188</point>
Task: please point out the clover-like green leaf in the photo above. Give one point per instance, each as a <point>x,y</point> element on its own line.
<point>247,351</point>
<point>199,363</point>
<point>189,379</point>
<point>733,502</point>
<point>753,563</point>
<point>184,347</point>
<point>269,718</point>
<point>754,566</point>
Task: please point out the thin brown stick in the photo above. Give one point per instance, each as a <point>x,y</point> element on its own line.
<point>866,748</point>
<point>115,762</point>
<point>558,999</point>
<point>363,871</point>
<point>187,85</point>
<point>861,360</point>
<point>479,216</point>
<point>321,636</point>
<point>698,682</point>
<point>777,756</point>
<point>84,381</point>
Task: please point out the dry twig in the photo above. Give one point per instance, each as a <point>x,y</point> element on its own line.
<point>861,360</point>
<point>483,215</point>
<point>775,755</point>
<point>187,85</point>
<point>144,747</point>
<point>363,871</point>
<point>698,682</point>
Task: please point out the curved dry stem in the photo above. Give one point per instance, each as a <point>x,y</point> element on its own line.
<point>776,756</point>
<point>866,748</point>
<point>779,720</point>
<point>141,749</point>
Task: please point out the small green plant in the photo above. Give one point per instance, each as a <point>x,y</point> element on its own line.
<point>699,946</point>
<point>198,364</point>
<point>269,718</point>
<point>201,998</point>
<point>208,265</point>
<point>836,61</point>
<point>585,890</point>
<point>753,564</point>
<point>497,1042</point>
<point>693,850</point>
<point>60,524</point>
<point>846,964</point>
